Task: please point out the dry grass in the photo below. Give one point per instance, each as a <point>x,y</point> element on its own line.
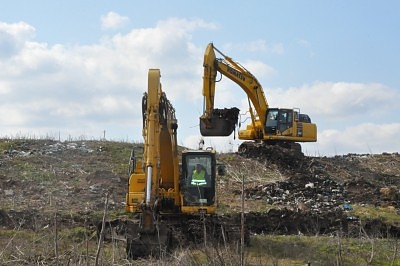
<point>60,183</point>
<point>78,247</point>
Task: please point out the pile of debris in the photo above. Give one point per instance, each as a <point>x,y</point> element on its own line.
<point>47,148</point>
<point>308,188</point>
<point>316,194</point>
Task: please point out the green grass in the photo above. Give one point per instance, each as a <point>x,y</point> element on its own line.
<point>374,212</point>
<point>78,244</point>
<point>325,250</point>
<point>117,154</point>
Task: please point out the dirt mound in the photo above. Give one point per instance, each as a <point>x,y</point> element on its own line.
<point>286,159</point>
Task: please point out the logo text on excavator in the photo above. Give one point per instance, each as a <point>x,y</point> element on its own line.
<point>236,73</point>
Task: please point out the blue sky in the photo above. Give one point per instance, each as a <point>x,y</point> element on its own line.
<point>77,68</point>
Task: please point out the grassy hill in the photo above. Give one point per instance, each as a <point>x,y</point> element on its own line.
<point>52,194</point>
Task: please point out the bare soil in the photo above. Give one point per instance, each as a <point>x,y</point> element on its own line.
<point>285,193</point>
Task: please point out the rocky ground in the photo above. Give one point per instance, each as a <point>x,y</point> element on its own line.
<point>323,195</point>
<point>284,192</point>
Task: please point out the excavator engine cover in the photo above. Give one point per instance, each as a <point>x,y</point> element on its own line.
<point>221,123</point>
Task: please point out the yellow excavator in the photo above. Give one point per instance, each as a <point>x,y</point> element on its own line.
<point>165,198</point>
<point>269,126</point>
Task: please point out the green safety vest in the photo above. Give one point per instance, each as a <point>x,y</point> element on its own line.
<point>199,178</point>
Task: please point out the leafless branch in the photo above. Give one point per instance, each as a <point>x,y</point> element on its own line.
<point>102,231</point>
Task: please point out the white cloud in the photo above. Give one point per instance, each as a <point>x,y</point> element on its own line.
<point>360,138</point>
<point>88,87</point>
<point>19,32</point>
<point>260,69</point>
<point>12,115</point>
<point>13,37</point>
<point>338,100</point>
<point>113,21</point>
<point>84,90</point>
<point>4,87</point>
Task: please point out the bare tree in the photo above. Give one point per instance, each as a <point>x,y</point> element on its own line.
<point>102,231</point>
<point>56,237</point>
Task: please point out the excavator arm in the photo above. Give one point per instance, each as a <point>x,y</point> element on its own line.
<point>154,183</point>
<point>155,178</point>
<point>212,118</point>
<point>162,196</point>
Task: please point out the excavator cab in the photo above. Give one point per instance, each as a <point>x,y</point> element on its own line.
<point>197,181</point>
<point>290,124</point>
<point>279,120</point>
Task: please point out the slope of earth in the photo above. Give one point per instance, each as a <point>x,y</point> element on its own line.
<point>40,177</point>
<point>284,192</point>
<point>311,195</point>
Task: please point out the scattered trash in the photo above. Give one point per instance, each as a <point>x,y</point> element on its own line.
<point>347,207</point>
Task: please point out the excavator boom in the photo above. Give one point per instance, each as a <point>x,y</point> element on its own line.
<point>268,125</point>
<point>234,71</point>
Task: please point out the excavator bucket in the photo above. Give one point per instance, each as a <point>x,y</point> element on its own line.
<point>143,244</point>
<point>222,122</point>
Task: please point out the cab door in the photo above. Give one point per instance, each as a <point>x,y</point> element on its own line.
<point>198,195</point>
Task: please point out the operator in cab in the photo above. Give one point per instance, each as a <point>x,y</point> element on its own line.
<point>199,176</point>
